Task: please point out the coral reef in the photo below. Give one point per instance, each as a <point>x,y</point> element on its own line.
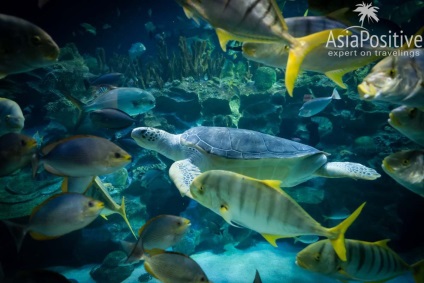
<point>264,78</point>
<point>111,270</point>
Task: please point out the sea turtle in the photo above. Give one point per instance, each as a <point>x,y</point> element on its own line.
<point>245,152</point>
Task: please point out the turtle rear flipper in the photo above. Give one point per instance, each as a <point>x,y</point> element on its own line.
<point>347,170</point>
<point>182,173</point>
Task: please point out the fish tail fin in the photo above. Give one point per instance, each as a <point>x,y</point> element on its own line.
<point>418,271</point>
<point>17,231</point>
<point>335,94</point>
<point>123,213</point>
<point>305,45</point>
<point>339,231</point>
<point>35,163</point>
<point>79,105</point>
<point>407,45</point>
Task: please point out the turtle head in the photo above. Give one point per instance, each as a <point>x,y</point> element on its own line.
<point>147,137</point>
<point>158,140</point>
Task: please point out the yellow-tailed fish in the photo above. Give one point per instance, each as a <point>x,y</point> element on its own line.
<point>366,262</point>
<point>407,168</point>
<point>409,121</point>
<point>16,151</point>
<point>262,206</point>
<point>160,232</point>
<point>83,156</point>
<point>111,206</point>
<point>318,60</point>
<point>396,79</point>
<point>170,267</point>
<point>57,216</point>
<point>11,117</point>
<point>257,21</point>
<point>24,46</point>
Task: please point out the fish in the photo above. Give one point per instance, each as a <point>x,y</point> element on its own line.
<point>366,262</point>
<point>24,46</point>
<point>257,277</point>
<point>260,205</point>
<point>16,151</point>
<point>110,79</point>
<point>409,121</point>
<point>397,80</point>
<point>131,100</point>
<point>318,60</point>
<point>171,267</point>
<point>306,239</point>
<point>406,167</point>
<point>257,21</point>
<point>36,276</point>
<point>89,28</point>
<point>316,105</point>
<point>338,214</point>
<point>160,232</point>
<point>111,118</point>
<point>12,119</point>
<point>58,215</point>
<point>111,206</point>
<point>82,156</point>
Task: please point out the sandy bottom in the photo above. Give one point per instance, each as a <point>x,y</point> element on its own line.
<point>235,266</point>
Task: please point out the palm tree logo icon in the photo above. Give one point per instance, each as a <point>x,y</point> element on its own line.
<point>367,10</point>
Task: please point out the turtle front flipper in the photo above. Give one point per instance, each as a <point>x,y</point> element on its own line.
<point>347,170</point>
<point>182,173</point>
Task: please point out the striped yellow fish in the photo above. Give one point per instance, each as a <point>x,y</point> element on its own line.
<point>256,21</point>
<point>366,262</point>
<point>263,207</point>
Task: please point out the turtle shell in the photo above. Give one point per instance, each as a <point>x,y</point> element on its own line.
<point>234,143</point>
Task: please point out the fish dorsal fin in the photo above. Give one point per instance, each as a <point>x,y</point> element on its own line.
<point>41,237</point>
<point>275,184</point>
<point>148,223</point>
<point>155,251</point>
<point>51,146</point>
<point>273,238</point>
<point>382,243</point>
<point>279,14</point>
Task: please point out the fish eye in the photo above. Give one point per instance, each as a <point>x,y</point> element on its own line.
<point>412,113</point>
<point>23,143</point>
<point>202,279</point>
<point>286,47</point>
<point>117,155</point>
<point>36,40</point>
<point>317,257</point>
<point>392,73</point>
<point>201,188</point>
<point>7,117</point>
<point>90,203</point>
<point>405,162</point>
<point>179,223</point>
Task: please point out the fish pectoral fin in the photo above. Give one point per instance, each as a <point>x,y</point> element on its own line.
<point>298,52</point>
<point>276,184</point>
<point>225,213</point>
<point>41,237</point>
<point>273,238</point>
<point>337,77</point>
<point>224,37</point>
<point>104,217</point>
<point>149,269</point>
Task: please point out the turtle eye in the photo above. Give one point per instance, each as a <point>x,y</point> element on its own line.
<point>412,113</point>
<point>36,40</point>
<point>405,162</point>
<point>117,155</point>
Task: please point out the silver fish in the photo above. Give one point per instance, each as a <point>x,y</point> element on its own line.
<point>396,79</point>
<point>24,46</point>
<point>409,121</point>
<point>11,117</point>
<point>316,105</point>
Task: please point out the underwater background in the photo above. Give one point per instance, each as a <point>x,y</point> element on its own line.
<point>195,83</point>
